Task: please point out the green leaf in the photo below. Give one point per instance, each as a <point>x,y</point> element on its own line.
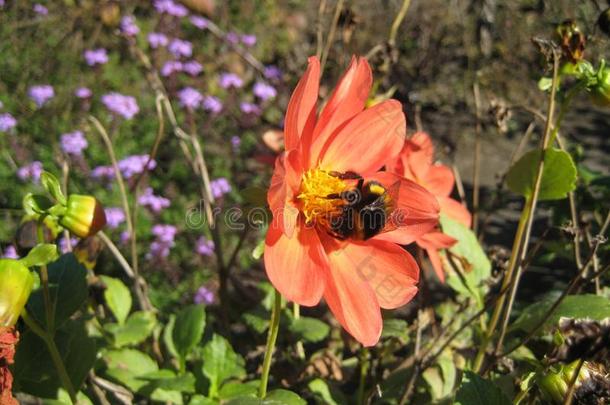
<point>397,328</point>
<point>167,380</point>
<point>326,394</point>
<point>258,251</point>
<point>67,288</point>
<point>188,329</point>
<point>558,177</point>
<point>441,378</point>
<point>545,83</point>
<point>34,370</point>
<point>468,248</point>
<point>51,184</point>
<point>117,298</point>
<point>201,400</point>
<point>168,332</point>
<point>257,319</point>
<point>233,389</point>
<point>138,327</point>
<point>275,397</point>
<point>36,204</point>
<point>309,329</point>
<point>126,365</point>
<point>475,390</point>
<point>590,306</point>
<point>220,363</point>
<point>41,255</point>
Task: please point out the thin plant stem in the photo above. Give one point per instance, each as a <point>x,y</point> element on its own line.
<point>364,369</point>
<point>44,280</point>
<point>320,26</point>
<point>296,313</point>
<point>572,386</point>
<point>274,326</point>
<point>331,34</point>
<point>402,13</point>
<point>47,337</point>
<point>476,168</point>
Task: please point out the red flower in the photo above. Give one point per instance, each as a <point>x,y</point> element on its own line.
<point>305,259</point>
<point>8,339</point>
<point>416,162</point>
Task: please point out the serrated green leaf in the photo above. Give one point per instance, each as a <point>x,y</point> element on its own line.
<point>309,329</point>
<point>138,327</point>
<point>220,362</point>
<point>118,298</point>
<point>41,255</point>
<point>558,177</point>
<point>188,329</point>
<point>475,390</point>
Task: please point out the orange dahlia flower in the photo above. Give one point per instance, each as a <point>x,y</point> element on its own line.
<point>416,162</point>
<point>328,158</point>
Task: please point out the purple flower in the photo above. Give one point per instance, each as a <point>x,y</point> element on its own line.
<point>73,143</point>
<point>192,67</point>
<point>96,56</point>
<point>63,244</point>
<point>101,172</point>
<point>115,216</point>
<point>203,296</point>
<point>31,171</point>
<point>249,108</point>
<point>129,27</point>
<point>157,39</point>
<point>10,252</point>
<point>264,91</point>
<point>212,104</point>
<point>125,237</point>
<point>235,142</point>
<point>164,232</point>
<point>83,92</point>
<point>179,48</point>
<point>204,247</point>
<point>272,72</point>
<point>40,9</point>
<point>227,80</point>
<point>190,98</point>
<point>248,40</point>
<point>135,164</point>
<point>170,7</point>
<point>2,3</point>
<point>125,106</point>
<point>199,22</point>
<point>41,94</point>
<point>170,67</point>
<point>154,202</point>
<point>232,38</point>
<point>7,122</point>
<point>220,187</point>
<point>164,241</point>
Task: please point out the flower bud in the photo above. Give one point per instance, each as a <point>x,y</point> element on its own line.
<point>84,215</point>
<point>16,283</point>
<point>600,92</point>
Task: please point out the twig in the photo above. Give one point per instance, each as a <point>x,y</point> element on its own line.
<point>572,386</point>
<point>247,56</point>
<point>319,28</point>
<point>397,21</point>
<point>117,254</point>
<point>331,34</point>
<point>477,158</point>
<point>417,366</point>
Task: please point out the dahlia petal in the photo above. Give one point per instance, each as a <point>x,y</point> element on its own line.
<point>433,242</point>
<point>419,152</point>
<point>455,210</point>
<point>296,265</point>
<point>301,111</point>
<point>437,264</point>
<point>376,133</point>
<point>347,100</point>
<point>415,212</point>
<point>439,180</point>
<point>284,184</point>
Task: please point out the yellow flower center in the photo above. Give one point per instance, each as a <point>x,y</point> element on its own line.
<point>319,196</point>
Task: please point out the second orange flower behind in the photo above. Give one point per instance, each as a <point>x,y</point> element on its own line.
<point>330,158</point>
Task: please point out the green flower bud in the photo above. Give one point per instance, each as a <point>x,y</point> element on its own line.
<point>84,215</point>
<point>16,283</point>
<point>600,92</point>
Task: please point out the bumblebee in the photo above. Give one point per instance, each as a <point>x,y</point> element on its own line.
<point>366,211</point>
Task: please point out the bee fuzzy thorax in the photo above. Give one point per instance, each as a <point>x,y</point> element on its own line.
<point>316,186</point>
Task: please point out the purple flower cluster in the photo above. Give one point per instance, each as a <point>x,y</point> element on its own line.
<point>200,22</point>
<point>154,202</point>
<point>190,98</point>
<point>204,247</point>
<point>170,67</point>
<point>96,56</point>
<point>272,72</point>
<point>129,27</point>
<point>220,187</point>
<point>227,80</point>
<point>170,7</point>
<point>235,142</point>
<point>115,216</point>
<point>7,122</point>
<point>192,67</point>
<point>157,39</point>
<point>212,104</point>
<point>40,9</point>
<point>248,40</point>
<point>125,106</point>
<point>135,164</point>
<point>83,92</point>
<point>63,244</point>
<point>232,38</point>
<point>264,91</point>
<point>180,48</point>
<point>249,108</point>
<point>164,240</point>
<point>10,252</point>
<point>31,171</point>
<point>41,94</point>
<point>204,296</point>
<point>73,143</point>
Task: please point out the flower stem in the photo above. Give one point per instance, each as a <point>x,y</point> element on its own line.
<point>271,338</point>
<point>296,313</point>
